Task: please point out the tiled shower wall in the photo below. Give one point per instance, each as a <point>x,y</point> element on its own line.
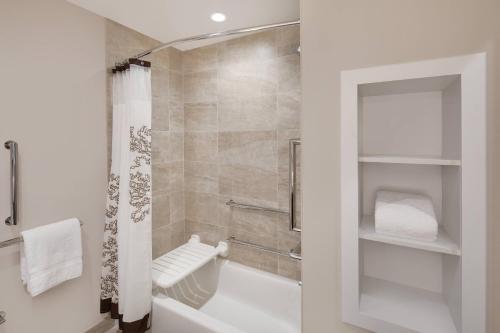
<point>222,117</point>
<point>167,126</point>
<point>241,106</point>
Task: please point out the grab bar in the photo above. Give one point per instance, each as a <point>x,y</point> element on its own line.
<point>292,178</point>
<point>235,204</point>
<point>16,240</point>
<point>289,254</point>
<point>12,146</point>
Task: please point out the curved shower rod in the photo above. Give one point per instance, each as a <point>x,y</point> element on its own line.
<point>214,35</point>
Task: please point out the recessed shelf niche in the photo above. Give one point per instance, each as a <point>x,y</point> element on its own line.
<point>416,131</point>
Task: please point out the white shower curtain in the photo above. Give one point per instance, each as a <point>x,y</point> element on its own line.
<point>126,270</point>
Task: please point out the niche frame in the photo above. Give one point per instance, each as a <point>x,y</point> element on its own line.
<point>470,299</point>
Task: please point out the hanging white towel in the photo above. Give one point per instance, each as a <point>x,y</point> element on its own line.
<point>405,215</point>
<point>50,255</point>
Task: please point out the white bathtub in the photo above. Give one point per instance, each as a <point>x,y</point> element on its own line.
<point>224,297</point>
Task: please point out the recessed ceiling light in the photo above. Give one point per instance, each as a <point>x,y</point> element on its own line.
<point>218,17</point>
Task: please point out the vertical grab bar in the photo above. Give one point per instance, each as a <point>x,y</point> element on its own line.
<point>292,177</point>
<point>12,219</point>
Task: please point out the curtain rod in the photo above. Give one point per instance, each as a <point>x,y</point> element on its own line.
<point>214,35</point>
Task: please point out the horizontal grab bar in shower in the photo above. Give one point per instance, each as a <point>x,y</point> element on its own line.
<point>16,240</point>
<point>235,204</point>
<point>289,254</point>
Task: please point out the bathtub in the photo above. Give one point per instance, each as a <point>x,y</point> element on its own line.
<point>226,297</point>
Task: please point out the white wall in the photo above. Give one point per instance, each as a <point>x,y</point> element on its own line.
<point>53,103</point>
<point>347,34</point>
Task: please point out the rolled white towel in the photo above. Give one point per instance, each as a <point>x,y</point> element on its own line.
<point>405,215</point>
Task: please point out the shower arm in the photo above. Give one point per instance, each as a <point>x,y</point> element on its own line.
<point>212,35</point>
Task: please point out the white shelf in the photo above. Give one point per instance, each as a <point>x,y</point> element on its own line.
<point>443,243</point>
<point>416,309</point>
<point>421,160</point>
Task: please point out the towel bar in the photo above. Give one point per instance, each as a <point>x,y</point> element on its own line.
<point>16,240</point>
<point>291,254</point>
<point>232,203</point>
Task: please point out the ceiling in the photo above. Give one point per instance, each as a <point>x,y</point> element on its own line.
<point>167,20</point>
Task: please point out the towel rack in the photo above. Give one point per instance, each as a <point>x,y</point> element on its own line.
<point>16,240</point>
<point>232,203</point>
<point>291,254</point>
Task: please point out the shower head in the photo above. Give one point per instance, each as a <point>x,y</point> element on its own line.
<point>298,50</point>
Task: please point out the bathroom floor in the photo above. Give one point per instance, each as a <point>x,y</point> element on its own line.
<point>116,330</point>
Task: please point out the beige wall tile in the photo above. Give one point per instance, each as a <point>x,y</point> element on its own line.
<point>161,241</point>
<point>160,178</point>
<point>175,59</point>
<point>256,224</point>
<point>248,182</point>
<point>284,137</point>
<point>209,233</point>
<point>224,212</point>
<point>200,116</point>
<point>248,79</point>
<point>159,143</point>
<point>175,148</point>
<point>176,177</point>
<point>200,87</point>
<point>176,116</point>
<point>201,177</point>
<point>283,195</point>
<point>168,177</point>
<point>255,230</point>
<point>289,268</point>
<point>177,207</point>
<point>160,114</point>
<point>259,46</point>
<point>200,146</point>
<point>288,240</point>
<point>161,210</point>
<point>159,82</point>
<point>250,149</point>
<point>288,111</point>
<point>201,207</point>
<point>288,74</point>
<point>200,59</point>
<point>177,235</point>
<point>288,40</point>
<point>247,114</point>
<point>176,89</point>
<point>254,258</point>
<point>159,59</point>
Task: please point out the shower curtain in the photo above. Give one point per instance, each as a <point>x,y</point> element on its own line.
<point>126,269</point>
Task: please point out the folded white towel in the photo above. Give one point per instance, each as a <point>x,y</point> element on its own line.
<point>405,215</point>
<point>50,255</point>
